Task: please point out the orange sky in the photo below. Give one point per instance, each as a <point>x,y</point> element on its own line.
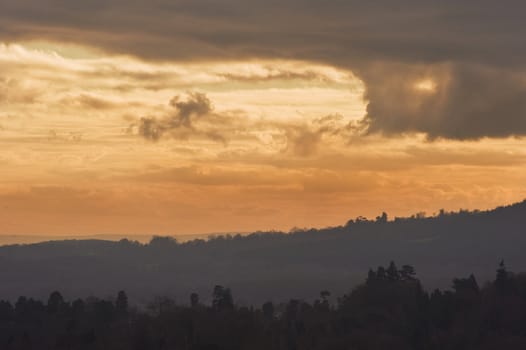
<point>188,117</point>
<point>231,146</point>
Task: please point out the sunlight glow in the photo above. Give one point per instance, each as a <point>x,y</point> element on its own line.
<point>426,85</point>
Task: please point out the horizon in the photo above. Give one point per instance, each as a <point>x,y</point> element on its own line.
<point>14,239</point>
<point>273,264</point>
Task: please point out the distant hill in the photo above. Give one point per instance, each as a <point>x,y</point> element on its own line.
<point>272,265</point>
<point>143,238</point>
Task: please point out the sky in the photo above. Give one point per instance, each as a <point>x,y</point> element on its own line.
<point>189,117</point>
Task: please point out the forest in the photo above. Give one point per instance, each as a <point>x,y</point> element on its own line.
<point>389,310</point>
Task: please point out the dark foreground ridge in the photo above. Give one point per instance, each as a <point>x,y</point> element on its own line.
<point>390,310</point>
<point>271,266</point>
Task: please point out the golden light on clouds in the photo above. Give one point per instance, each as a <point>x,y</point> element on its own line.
<point>98,143</point>
<point>426,85</point>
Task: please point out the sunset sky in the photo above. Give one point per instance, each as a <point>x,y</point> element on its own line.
<point>180,117</point>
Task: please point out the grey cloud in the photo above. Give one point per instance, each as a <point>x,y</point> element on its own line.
<point>150,128</point>
<point>196,106</point>
<point>480,42</point>
<point>468,102</point>
<point>343,32</point>
<point>181,122</point>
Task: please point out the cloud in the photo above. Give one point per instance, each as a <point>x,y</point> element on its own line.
<point>197,105</point>
<point>14,91</point>
<point>180,123</point>
<point>69,137</point>
<point>89,101</point>
<point>335,31</point>
<point>213,176</point>
<point>267,179</point>
<point>455,101</point>
<point>302,141</point>
<point>266,73</point>
<point>476,52</point>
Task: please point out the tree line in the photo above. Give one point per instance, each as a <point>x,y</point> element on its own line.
<point>389,310</point>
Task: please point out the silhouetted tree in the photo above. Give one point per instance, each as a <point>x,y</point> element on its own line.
<point>503,282</point>
<point>55,302</point>
<point>6,310</point>
<point>382,219</point>
<point>161,304</point>
<point>268,310</point>
<point>222,298</point>
<point>407,273</point>
<point>77,307</point>
<point>381,273</point>
<point>371,277</point>
<point>163,242</point>
<point>104,311</point>
<point>121,303</point>
<point>465,284</point>
<point>194,299</point>
<point>382,314</point>
<point>392,272</point>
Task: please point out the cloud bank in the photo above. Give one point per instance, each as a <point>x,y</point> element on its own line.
<point>474,51</point>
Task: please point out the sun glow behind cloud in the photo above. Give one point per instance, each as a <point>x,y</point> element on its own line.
<point>426,86</point>
<point>271,144</point>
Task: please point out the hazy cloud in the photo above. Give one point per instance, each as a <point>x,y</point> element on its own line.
<point>89,101</point>
<point>303,142</point>
<point>276,73</point>
<point>15,91</point>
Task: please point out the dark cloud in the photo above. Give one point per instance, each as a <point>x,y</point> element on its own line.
<point>451,101</point>
<point>334,30</point>
<point>197,105</point>
<point>180,123</point>
<point>481,43</point>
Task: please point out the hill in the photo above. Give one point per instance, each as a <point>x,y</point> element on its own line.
<point>272,265</point>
